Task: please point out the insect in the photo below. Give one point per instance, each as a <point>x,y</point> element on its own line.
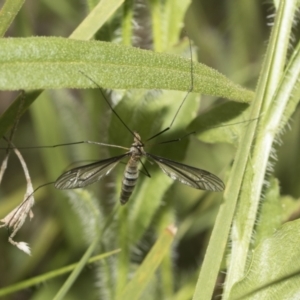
<point>85,175</point>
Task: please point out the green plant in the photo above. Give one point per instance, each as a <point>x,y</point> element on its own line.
<point>42,63</point>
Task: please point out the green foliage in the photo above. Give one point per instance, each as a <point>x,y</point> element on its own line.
<point>59,63</point>
<point>234,139</point>
<point>274,268</point>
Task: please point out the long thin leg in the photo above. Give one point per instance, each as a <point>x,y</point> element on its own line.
<point>91,79</point>
<point>182,102</point>
<point>74,143</point>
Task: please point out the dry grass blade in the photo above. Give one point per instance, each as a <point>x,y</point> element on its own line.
<point>16,218</point>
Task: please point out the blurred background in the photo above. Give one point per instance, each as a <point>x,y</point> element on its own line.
<point>229,36</point>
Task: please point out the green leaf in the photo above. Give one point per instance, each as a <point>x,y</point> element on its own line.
<point>95,20</point>
<point>270,217</point>
<point>274,270</point>
<point>290,208</point>
<point>44,63</point>
<point>8,13</point>
<point>166,17</point>
<point>16,109</point>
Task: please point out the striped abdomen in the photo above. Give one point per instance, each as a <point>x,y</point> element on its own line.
<point>130,177</point>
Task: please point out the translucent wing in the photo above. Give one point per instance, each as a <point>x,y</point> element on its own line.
<point>196,178</point>
<point>85,175</point>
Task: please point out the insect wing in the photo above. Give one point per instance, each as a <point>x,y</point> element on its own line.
<point>194,177</point>
<point>85,175</point>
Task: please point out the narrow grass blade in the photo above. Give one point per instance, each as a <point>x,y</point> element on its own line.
<point>145,272</point>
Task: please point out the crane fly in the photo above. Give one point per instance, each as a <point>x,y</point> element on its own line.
<point>85,175</point>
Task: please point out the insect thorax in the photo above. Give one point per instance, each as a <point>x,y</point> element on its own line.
<point>137,147</point>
